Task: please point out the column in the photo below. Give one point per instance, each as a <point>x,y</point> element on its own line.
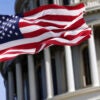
<point>71,2</point>
<point>49,79</point>
<point>93,62</point>
<point>32,80</point>
<point>69,69</point>
<point>74,1</point>
<point>57,2</point>
<point>19,81</point>
<point>10,85</point>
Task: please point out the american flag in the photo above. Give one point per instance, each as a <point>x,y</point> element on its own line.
<point>40,28</point>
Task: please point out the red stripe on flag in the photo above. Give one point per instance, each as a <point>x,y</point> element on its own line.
<point>53,6</point>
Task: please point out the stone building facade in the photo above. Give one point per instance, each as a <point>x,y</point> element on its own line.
<point>57,73</point>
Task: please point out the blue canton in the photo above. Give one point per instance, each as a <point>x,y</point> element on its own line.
<point>9,29</point>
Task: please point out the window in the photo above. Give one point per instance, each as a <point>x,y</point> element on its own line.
<point>65,2</point>
<point>41,82</point>
<point>40,76</point>
<point>86,65</point>
<point>50,1</point>
<point>54,75</point>
<point>58,70</point>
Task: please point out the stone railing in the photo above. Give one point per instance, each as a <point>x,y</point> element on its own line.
<point>91,3</point>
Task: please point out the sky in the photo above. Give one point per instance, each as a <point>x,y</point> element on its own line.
<point>6,8</point>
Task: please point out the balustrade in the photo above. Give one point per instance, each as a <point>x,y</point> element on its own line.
<point>91,3</point>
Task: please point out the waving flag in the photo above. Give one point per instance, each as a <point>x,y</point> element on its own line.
<point>42,27</point>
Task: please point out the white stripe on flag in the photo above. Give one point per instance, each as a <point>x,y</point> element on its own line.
<point>56,12</point>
